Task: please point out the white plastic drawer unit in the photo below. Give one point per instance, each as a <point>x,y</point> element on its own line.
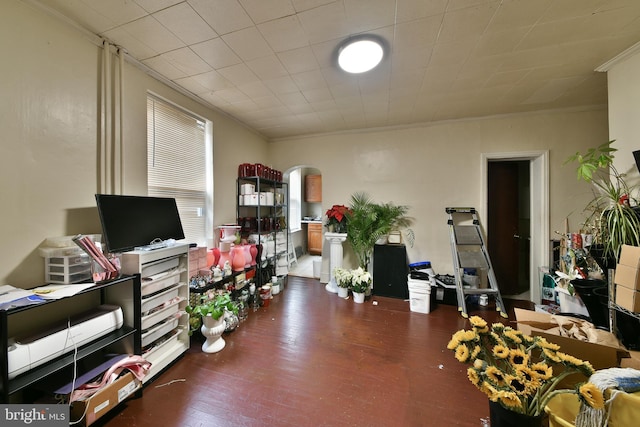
<point>159,330</point>
<point>161,313</point>
<point>160,281</point>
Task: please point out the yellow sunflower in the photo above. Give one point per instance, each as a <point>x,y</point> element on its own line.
<point>542,370</point>
<point>509,399</point>
<point>473,376</point>
<point>462,353</point>
<point>591,395</point>
<point>495,375</point>
<point>518,357</point>
<point>501,351</point>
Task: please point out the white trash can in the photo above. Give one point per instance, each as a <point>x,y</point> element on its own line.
<point>317,267</point>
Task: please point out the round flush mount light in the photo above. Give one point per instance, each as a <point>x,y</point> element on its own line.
<point>360,54</point>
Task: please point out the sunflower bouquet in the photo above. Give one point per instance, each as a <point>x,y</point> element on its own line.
<point>518,371</point>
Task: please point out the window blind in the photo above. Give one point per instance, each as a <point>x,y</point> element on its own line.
<point>176,164</point>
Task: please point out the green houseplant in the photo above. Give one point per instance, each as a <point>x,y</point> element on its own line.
<point>612,218</point>
<point>369,221</point>
<point>213,304</point>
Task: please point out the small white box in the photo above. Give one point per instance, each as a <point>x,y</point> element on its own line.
<point>251,199</point>
<point>570,303</point>
<point>247,189</point>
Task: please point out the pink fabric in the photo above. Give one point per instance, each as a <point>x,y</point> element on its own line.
<point>137,365</point>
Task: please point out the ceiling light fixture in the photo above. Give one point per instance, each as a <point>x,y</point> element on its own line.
<point>360,54</point>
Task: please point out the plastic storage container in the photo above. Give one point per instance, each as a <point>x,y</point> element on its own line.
<point>419,295</point>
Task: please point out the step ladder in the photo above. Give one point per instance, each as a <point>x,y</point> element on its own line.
<point>292,259</point>
<point>468,250</point>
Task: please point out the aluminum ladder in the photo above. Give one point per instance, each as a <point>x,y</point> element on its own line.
<point>468,250</point>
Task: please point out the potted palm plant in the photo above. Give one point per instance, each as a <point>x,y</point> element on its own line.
<point>369,221</point>
<point>612,213</point>
<point>208,317</point>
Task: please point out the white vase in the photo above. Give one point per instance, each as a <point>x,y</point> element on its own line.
<point>343,292</point>
<point>358,297</point>
<point>212,330</point>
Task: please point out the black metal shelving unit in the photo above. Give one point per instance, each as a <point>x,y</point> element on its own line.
<point>127,331</point>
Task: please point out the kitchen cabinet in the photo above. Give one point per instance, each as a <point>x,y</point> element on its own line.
<point>314,238</point>
<point>313,188</point>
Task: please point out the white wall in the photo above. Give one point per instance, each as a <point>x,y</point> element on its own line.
<point>49,81</point>
<point>623,80</point>
<point>432,167</point>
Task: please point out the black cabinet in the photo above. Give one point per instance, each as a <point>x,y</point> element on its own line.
<point>390,270</point>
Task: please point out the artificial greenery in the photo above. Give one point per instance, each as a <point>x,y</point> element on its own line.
<point>369,221</point>
<point>611,218</point>
<point>212,304</point>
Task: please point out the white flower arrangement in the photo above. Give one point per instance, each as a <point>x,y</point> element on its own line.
<point>343,277</point>
<point>360,280</point>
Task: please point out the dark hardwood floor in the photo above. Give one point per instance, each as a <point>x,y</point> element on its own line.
<point>314,359</point>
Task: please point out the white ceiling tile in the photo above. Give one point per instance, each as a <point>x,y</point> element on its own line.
<point>185,23</point>
<point>212,80</point>
<point>255,89</point>
<point>165,67</point>
<point>364,15</point>
<point>224,16</point>
<point>151,33</point>
<point>187,61</point>
<point>248,44</point>
<point>262,11</point>
<point>155,5</point>
<point>284,34</point>
<point>309,80</point>
<point>267,67</point>
<point>85,15</point>
<point>238,74</point>
<point>518,13</point>
<point>281,85</point>
<point>409,10</point>
<point>132,44</point>
<point>117,11</point>
<point>418,34</point>
<point>232,95</point>
<point>292,98</point>
<point>216,53</point>
<point>302,5</point>
<point>316,95</point>
<point>467,22</point>
<point>326,22</point>
<point>192,84</point>
<point>298,60</point>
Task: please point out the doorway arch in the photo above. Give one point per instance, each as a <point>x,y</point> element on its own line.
<point>539,202</point>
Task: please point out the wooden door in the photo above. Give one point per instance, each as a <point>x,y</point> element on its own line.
<point>508,224</point>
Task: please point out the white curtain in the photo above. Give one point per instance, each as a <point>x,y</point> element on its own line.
<point>110,163</point>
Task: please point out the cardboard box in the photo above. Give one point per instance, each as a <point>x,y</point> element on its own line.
<point>630,256</point>
<point>631,362</point>
<point>607,352</point>
<point>86,412</point>
<point>628,298</point>
<point>627,276</point>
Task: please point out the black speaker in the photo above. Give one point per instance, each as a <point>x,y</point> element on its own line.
<point>390,270</point>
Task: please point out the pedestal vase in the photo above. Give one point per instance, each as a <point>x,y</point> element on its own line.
<point>335,257</point>
<point>212,330</point>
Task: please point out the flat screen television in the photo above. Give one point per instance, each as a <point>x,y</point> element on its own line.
<point>129,222</point>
